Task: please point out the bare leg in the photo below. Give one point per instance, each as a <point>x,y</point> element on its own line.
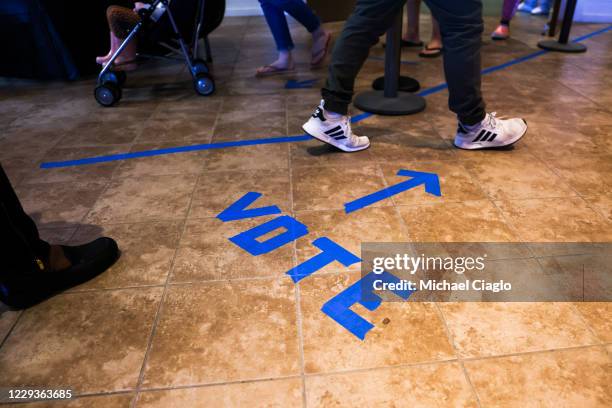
<point>129,52</point>
<point>103,59</point>
<point>124,60</point>
<point>121,21</point>
<point>436,36</point>
<point>502,32</point>
<point>320,45</point>
<point>283,63</point>
<point>435,44</point>
<point>275,16</point>
<point>413,11</point>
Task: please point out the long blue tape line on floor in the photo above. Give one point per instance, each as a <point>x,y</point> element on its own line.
<point>285,139</point>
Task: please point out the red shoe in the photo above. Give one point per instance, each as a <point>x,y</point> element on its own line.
<point>502,32</point>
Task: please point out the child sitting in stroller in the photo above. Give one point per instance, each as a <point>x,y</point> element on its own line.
<point>162,25</point>
<point>121,20</point>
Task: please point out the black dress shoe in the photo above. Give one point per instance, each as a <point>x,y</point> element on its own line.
<point>88,261</point>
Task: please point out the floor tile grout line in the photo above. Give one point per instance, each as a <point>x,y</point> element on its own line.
<point>169,276</point>
<point>451,340</point>
<point>403,223</point>
<point>530,153</point>
<point>475,180</point>
<point>539,198</point>
<point>600,105</point>
<point>104,190</point>
<point>339,372</point>
<point>380,368</point>
<point>134,141</point>
<point>112,289</point>
<point>204,170</point>
<point>300,333</point>
<point>532,352</point>
<point>161,303</point>
<point>424,204</point>
<point>298,298</point>
<point>11,329</point>
<point>595,209</point>
<point>455,360</point>
<point>514,229</point>
<point>578,194</point>
<point>584,321</point>
<point>74,397</point>
<point>553,170</point>
<point>40,159</point>
<point>188,386</point>
<point>141,222</point>
<point>200,282</point>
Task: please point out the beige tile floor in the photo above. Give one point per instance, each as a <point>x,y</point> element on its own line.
<point>187,319</point>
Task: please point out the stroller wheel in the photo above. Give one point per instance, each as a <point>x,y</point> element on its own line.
<point>204,84</point>
<point>200,66</point>
<point>107,94</point>
<point>116,77</point>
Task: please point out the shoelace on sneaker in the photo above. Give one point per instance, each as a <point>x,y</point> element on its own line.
<point>492,120</point>
<point>347,123</point>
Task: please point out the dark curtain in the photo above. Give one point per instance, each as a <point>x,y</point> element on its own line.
<point>83,28</point>
<point>31,46</point>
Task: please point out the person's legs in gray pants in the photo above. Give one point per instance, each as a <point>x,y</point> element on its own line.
<point>370,20</point>
<point>461,25</point>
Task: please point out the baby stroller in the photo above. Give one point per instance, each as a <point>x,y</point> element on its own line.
<point>208,16</point>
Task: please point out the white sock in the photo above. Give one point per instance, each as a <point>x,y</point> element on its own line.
<point>330,114</point>
<point>333,115</point>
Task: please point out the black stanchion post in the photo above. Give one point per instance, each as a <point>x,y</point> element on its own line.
<point>391,100</point>
<point>392,60</point>
<point>563,45</point>
<point>552,25</point>
<point>568,17</point>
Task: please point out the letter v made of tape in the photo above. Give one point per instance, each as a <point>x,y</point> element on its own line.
<point>239,210</point>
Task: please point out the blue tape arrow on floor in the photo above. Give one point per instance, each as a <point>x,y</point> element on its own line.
<point>430,180</point>
<point>307,83</point>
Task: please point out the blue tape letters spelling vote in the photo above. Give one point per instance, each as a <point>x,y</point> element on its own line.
<point>290,229</point>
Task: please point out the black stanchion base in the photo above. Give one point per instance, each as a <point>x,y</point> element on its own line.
<point>554,45</point>
<point>375,102</point>
<point>405,84</point>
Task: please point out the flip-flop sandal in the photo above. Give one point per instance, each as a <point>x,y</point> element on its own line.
<point>268,70</point>
<point>437,53</point>
<point>322,53</point>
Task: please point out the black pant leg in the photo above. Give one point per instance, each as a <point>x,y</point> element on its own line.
<point>461,26</point>
<point>370,20</point>
<point>20,243</point>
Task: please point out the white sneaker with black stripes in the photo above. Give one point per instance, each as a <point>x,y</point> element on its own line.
<point>491,133</point>
<point>334,131</point>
